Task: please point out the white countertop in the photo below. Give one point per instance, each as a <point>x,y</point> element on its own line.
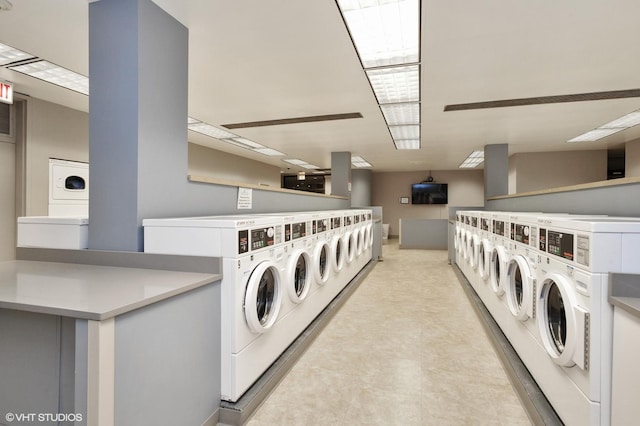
<point>89,291</point>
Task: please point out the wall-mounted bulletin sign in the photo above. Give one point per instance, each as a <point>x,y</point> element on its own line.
<point>404,200</point>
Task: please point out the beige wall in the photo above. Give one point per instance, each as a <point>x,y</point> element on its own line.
<point>7,201</point>
<point>466,189</point>
<point>632,159</point>
<point>53,131</point>
<point>541,170</point>
<point>208,162</point>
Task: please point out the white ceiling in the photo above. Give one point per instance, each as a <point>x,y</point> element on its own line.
<point>276,59</point>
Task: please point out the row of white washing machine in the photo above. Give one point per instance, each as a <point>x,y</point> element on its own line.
<point>279,272</point>
<point>545,280</point>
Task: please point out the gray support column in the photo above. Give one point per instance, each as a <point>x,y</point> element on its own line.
<point>341,174</point>
<point>496,170</point>
<point>138,57</point>
<point>361,188</point>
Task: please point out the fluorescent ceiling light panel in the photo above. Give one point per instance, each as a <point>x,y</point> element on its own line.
<point>295,161</point>
<point>54,74</point>
<point>268,151</point>
<point>191,120</point>
<point>407,143</point>
<point>395,114</point>
<point>309,166</point>
<point>384,32</point>
<point>245,142</point>
<point>595,134</point>
<point>358,161</point>
<point>396,84</point>
<point>626,121</point>
<point>212,131</point>
<point>405,132</point>
<point>473,160</point>
<point>8,55</point>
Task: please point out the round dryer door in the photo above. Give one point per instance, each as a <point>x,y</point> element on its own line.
<point>357,236</point>
<point>484,259</point>
<point>561,323</point>
<point>370,234</point>
<point>299,273</point>
<point>499,260</point>
<point>263,297</point>
<point>322,256</point>
<point>350,243</point>
<point>475,251</point>
<point>520,288</point>
<point>337,248</point>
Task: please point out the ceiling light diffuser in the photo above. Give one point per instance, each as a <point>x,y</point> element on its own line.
<point>384,32</point>
<point>595,134</point>
<point>8,55</point>
<point>405,132</point>
<point>358,161</point>
<point>295,161</point>
<point>191,120</point>
<point>407,143</point>
<point>473,160</point>
<point>54,74</point>
<point>395,114</point>
<point>245,142</point>
<point>268,151</point>
<point>212,131</point>
<point>626,121</point>
<point>396,84</point>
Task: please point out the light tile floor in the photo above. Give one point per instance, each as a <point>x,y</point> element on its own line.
<point>406,349</point>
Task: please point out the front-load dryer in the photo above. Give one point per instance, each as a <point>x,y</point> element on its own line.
<point>253,334</point>
<point>575,321</point>
<point>486,247</point>
<point>68,188</point>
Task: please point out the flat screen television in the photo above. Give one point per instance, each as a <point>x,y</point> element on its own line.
<point>429,193</point>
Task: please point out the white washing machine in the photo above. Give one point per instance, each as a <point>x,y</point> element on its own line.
<point>252,251</point>
<point>350,237</point>
<point>68,188</point>
<point>298,272</point>
<point>337,244</point>
<point>486,247</point>
<point>575,321</point>
<point>321,253</point>
<point>500,255</point>
<point>475,245</point>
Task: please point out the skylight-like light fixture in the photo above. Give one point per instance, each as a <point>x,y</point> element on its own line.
<point>209,130</point>
<point>244,142</point>
<point>595,134</point>
<point>407,143</point>
<point>359,162</point>
<point>407,113</point>
<point>405,132</point>
<point>396,84</point>
<point>386,35</point>
<point>9,55</point>
<point>295,161</point>
<point>473,160</point>
<point>268,151</point>
<point>385,32</point>
<point>191,120</point>
<point>626,121</point>
<point>54,74</point>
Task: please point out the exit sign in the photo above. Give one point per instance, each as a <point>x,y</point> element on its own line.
<point>6,92</point>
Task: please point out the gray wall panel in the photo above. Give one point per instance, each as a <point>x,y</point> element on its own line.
<point>429,234</point>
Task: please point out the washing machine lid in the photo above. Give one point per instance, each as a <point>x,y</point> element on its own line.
<point>54,220</point>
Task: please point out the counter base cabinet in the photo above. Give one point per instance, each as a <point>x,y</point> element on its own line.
<point>36,364</point>
<point>159,364</point>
